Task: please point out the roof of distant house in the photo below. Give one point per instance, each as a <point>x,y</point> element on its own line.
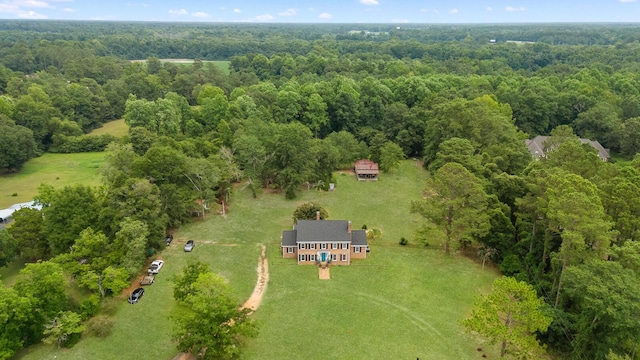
<point>366,166</point>
<point>537,146</point>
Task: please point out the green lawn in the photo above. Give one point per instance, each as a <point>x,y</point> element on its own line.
<point>117,128</point>
<point>8,274</point>
<point>400,302</point>
<point>55,169</point>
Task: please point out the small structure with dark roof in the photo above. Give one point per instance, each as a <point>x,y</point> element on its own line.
<point>324,242</point>
<point>366,169</point>
<point>538,147</point>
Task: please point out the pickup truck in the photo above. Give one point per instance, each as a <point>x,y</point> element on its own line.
<point>155,267</point>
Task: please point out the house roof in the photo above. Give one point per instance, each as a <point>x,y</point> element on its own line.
<point>359,237</point>
<point>6,213</point>
<point>537,146</point>
<point>322,230</point>
<point>289,238</point>
<point>366,164</point>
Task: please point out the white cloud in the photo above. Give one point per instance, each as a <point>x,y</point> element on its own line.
<point>30,15</point>
<point>237,11</point>
<point>288,12</point>
<point>312,9</point>
<point>400,21</point>
<point>200,14</point>
<point>424,10</point>
<point>627,1</point>
<point>453,11</point>
<point>325,16</point>
<point>69,10</point>
<point>369,2</point>
<point>265,17</point>
<point>179,12</point>
<point>489,8</point>
<point>512,9</point>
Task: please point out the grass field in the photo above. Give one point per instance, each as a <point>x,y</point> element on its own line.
<point>55,169</point>
<point>399,303</point>
<point>116,128</point>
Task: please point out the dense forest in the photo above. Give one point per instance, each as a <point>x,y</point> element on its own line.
<point>301,101</point>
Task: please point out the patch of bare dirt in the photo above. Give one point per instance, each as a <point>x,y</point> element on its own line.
<point>255,299</point>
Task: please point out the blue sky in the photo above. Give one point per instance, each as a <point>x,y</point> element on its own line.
<point>320,11</point>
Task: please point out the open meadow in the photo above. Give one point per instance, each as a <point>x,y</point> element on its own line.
<point>117,128</point>
<point>402,302</point>
<point>58,170</point>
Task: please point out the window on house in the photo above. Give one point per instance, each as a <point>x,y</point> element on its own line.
<point>334,245</point>
<point>303,246</point>
<point>312,246</point>
<point>356,249</point>
<point>344,246</point>
<point>312,257</point>
<point>290,250</point>
<point>301,257</point>
<point>343,257</point>
<point>334,257</point>
<point>323,246</point>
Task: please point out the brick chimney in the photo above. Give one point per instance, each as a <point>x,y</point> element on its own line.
<point>349,227</point>
<point>317,215</point>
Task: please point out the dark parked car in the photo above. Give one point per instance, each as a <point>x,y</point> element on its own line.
<point>136,295</point>
<point>189,245</point>
<point>168,239</point>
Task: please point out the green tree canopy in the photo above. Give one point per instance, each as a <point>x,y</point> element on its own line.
<point>511,315</point>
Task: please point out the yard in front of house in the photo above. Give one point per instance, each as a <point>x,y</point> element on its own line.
<point>402,302</point>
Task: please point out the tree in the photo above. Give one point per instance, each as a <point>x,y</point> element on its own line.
<point>69,211</point>
<point>604,302</point>
<point>455,202</point>
<point>45,285</point>
<point>67,323</point>
<point>8,247</point>
<point>309,211</point>
<point>390,156</point>
<point>575,212</point>
<point>291,150</point>
<point>511,315</point>
<point>28,231</point>
<point>16,317</point>
<point>16,145</point>
<point>131,242</point>
<point>209,320</point>
<point>183,284</point>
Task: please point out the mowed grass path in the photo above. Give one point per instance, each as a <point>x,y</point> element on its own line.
<point>399,303</point>
<point>58,170</point>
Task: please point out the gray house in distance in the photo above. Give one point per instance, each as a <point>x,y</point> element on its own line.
<point>538,147</point>
<point>323,242</point>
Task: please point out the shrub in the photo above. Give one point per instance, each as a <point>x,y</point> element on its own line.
<point>89,306</point>
<point>403,241</point>
<point>100,326</point>
<point>364,226</point>
<point>14,194</point>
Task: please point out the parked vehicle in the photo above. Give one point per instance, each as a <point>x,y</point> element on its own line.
<point>168,239</point>
<point>147,280</point>
<point>189,245</point>
<point>155,267</point>
<point>136,295</point>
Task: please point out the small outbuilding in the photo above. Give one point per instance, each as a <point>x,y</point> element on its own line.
<point>366,170</point>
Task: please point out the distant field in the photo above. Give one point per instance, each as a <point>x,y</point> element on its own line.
<point>55,169</point>
<point>117,128</point>
<point>221,64</point>
<point>402,302</point>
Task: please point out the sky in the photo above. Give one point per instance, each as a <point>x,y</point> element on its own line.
<point>327,11</point>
